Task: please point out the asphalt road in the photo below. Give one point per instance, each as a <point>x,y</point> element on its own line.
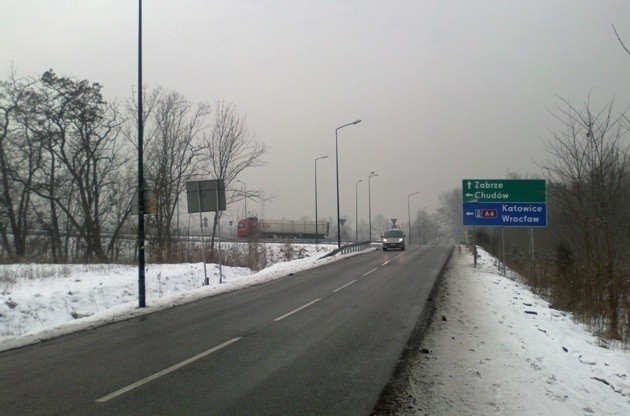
<point>325,341</point>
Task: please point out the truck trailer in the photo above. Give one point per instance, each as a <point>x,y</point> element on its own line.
<point>251,227</point>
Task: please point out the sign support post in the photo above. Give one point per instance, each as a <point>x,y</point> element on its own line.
<point>475,247</point>
<point>216,213</point>
<point>206,282</point>
<point>503,266</point>
<point>532,261</point>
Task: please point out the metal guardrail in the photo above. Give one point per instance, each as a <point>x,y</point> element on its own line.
<point>349,248</point>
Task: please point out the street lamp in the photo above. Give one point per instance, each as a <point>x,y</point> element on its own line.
<point>245,192</point>
<point>370,201</point>
<point>316,220</point>
<point>356,210</point>
<point>409,213</point>
<point>141,208</point>
<point>337,168</point>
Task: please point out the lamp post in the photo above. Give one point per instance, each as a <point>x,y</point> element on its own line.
<point>316,217</point>
<point>356,210</point>
<point>337,168</point>
<point>141,209</point>
<point>245,192</point>
<point>409,213</point>
<point>370,202</point>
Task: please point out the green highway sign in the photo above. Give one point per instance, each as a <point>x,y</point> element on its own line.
<point>504,190</point>
<point>504,202</point>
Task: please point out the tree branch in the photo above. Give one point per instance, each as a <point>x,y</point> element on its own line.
<point>620,41</point>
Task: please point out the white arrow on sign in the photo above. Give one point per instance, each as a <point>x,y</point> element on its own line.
<point>469,184</point>
<point>468,213</point>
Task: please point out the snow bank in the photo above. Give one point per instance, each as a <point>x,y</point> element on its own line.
<point>496,348</point>
<point>38,302</point>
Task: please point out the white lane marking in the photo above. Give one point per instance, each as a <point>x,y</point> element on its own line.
<point>297,310</point>
<point>346,285</point>
<point>388,261</point>
<point>166,371</point>
<point>371,271</point>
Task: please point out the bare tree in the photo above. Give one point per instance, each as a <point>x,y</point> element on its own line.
<point>380,224</point>
<point>626,118</point>
<point>229,149</point>
<point>80,132</point>
<point>151,99</point>
<point>172,157</point>
<point>428,227</point>
<point>589,177</point>
<point>129,131</point>
<point>364,230</point>
<point>623,45</point>
<point>451,214</point>
<point>19,159</point>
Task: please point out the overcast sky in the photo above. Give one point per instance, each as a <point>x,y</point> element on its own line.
<point>446,90</point>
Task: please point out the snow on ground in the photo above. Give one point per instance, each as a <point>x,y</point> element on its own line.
<point>42,301</point>
<point>493,346</point>
<point>496,348</point>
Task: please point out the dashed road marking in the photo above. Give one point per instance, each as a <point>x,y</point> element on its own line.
<point>346,285</point>
<point>371,271</point>
<point>297,310</point>
<point>165,371</point>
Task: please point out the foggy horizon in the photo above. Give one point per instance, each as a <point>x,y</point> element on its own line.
<point>444,90</point>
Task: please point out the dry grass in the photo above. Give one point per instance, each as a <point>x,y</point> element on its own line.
<point>569,285</point>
